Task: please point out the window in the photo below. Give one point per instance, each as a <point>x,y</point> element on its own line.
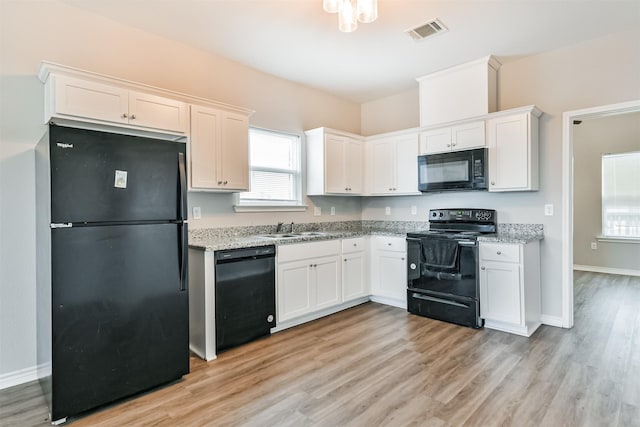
<point>274,168</point>
<point>621,195</point>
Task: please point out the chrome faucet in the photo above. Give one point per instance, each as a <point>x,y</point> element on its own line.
<point>279,227</point>
<point>291,227</point>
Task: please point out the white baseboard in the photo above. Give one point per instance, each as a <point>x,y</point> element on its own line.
<point>607,270</point>
<point>551,320</point>
<point>389,301</point>
<point>21,376</point>
<point>318,314</point>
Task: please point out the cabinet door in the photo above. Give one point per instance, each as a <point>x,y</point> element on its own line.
<point>500,292</point>
<point>390,275</point>
<point>435,141</point>
<point>326,272</point>
<point>382,166</point>
<point>205,138</point>
<point>95,101</point>
<point>233,162</point>
<point>508,153</point>
<point>353,165</point>
<point>294,289</point>
<point>156,112</point>
<point>334,159</point>
<point>353,276</point>
<point>468,135</point>
<point>407,165</point>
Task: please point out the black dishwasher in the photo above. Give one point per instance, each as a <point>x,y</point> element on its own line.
<point>245,295</point>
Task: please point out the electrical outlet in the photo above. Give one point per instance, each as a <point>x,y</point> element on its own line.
<point>594,245</point>
<point>414,210</point>
<point>317,211</point>
<point>387,210</point>
<point>333,210</point>
<point>197,212</point>
<point>548,210</point>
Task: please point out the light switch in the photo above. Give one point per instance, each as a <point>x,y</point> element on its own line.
<point>197,213</point>
<point>414,210</point>
<point>387,210</point>
<point>317,211</point>
<point>333,210</point>
<point>548,210</point>
<point>594,245</point>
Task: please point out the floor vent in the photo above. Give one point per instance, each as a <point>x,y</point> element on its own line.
<point>429,29</point>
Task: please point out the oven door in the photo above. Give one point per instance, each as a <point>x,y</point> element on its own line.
<point>457,170</point>
<point>460,282</point>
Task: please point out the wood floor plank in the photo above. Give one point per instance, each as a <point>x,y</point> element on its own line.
<point>375,365</point>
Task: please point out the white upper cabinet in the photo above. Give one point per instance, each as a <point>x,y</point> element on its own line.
<point>512,139</point>
<point>453,138</point>
<point>458,93</point>
<point>334,162</point>
<point>219,150</point>
<point>392,165</point>
<point>86,100</point>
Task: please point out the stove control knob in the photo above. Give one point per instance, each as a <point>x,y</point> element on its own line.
<point>412,266</point>
<point>434,214</point>
<point>441,214</point>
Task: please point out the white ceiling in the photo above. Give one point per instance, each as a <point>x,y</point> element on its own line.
<point>298,41</point>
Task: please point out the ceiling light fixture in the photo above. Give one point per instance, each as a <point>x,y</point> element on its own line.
<point>352,11</point>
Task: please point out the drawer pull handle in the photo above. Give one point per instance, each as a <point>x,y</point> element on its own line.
<point>482,268</point>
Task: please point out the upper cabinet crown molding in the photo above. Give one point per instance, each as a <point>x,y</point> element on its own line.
<point>47,68</point>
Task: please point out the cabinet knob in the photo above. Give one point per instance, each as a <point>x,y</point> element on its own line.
<point>355,244</point>
<point>453,145</point>
<point>448,145</point>
<point>394,188</point>
<point>219,182</point>
<point>389,244</point>
<point>482,268</point>
<point>346,188</point>
<point>345,260</point>
<point>493,183</point>
<point>390,189</point>
<point>124,115</point>
<point>226,182</point>
<point>133,117</point>
<point>499,253</point>
<point>402,259</point>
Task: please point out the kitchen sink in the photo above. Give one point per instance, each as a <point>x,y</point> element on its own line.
<point>293,235</point>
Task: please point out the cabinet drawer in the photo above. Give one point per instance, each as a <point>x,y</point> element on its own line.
<point>500,252</point>
<point>308,250</point>
<point>355,244</point>
<point>389,243</point>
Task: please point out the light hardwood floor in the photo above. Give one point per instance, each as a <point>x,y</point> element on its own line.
<point>377,365</point>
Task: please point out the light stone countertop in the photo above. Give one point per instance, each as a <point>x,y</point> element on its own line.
<point>214,239</point>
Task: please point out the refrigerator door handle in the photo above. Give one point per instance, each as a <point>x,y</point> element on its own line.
<point>183,247</point>
<point>182,199</point>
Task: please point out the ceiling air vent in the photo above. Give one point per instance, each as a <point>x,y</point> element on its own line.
<point>429,29</point>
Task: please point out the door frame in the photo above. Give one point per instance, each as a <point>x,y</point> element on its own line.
<point>567,190</point>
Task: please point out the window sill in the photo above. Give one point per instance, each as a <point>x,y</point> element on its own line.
<point>615,239</point>
<point>270,208</point>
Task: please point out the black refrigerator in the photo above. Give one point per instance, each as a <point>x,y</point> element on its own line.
<point>112,298</point>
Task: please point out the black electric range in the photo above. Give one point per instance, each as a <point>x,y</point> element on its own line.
<point>442,265</point>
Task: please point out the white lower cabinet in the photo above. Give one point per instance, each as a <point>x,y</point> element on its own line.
<point>389,270</point>
<point>308,278</point>
<point>354,269</point>
<point>510,286</point>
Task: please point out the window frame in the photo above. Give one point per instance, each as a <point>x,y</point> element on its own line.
<point>614,238</point>
<point>257,205</point>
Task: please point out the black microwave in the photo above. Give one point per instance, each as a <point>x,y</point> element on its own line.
<point>455,170</point>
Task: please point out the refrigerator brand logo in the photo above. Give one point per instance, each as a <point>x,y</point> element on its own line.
<point>63,145</point>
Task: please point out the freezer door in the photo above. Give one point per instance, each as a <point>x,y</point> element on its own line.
<point>119,313</point>
<point>105,177</point>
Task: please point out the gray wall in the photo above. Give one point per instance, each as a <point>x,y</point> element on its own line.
<point>591,139</point>
<point>593,73</point>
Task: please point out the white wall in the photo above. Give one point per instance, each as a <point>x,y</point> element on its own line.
<point>597,72</point>
<point>591,139</point>
<point>31,31</point>
<point>395,112</point>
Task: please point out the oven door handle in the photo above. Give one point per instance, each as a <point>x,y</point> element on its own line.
<point>467,243</point>
<point>440,300</point>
